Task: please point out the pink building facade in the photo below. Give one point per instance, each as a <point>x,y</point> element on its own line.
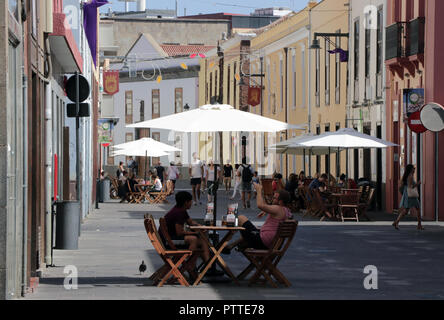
<point>415,64</point>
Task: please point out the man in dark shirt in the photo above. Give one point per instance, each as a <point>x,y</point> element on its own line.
<point>228,176</point>
<point>177,217</point>
<point>160,171</point>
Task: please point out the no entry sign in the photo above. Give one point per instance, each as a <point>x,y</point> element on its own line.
<point>415,123</point>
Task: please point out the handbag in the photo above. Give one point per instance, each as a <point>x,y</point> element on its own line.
<point>412,192</point>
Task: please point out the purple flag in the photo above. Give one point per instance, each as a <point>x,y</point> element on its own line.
<point>343,55</point>
<point>90,24</point>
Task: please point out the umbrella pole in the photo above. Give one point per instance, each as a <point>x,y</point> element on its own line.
<point>146,162</point>
<point>304,161</point>
<point>329,165</point>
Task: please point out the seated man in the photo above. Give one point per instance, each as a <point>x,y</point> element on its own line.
<point>175,220</point>
<point>319,183</point>
<point>262,238</point>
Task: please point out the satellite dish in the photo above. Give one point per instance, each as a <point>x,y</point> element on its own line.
<point>432,117</point>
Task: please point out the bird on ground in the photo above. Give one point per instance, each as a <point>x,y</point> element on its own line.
<point>142,267</point>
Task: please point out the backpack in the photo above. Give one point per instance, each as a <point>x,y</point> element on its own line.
<point>247,176</point>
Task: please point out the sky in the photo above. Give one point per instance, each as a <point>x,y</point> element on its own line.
<point>210,6</point>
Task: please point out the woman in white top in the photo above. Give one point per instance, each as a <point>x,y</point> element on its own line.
<point>210,178</point>
<point>237,182</point>
<point>157,183</point>
<point>173,174</point>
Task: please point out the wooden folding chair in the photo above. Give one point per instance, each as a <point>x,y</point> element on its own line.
<point>173,259</point>
<point>365,203</point>
<point>323,207</point>
<point>303,193</point>
<point>114,190</point>
<point>349,202</point>
<point>133,195</point>
<point>171,244</point>
<point>267,188</point>
<point>265,261</point>
<point>161,197</point>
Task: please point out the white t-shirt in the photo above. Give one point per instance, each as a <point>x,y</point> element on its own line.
<point>172,173</point>
<point>157,185</point>
<point>196,169</point>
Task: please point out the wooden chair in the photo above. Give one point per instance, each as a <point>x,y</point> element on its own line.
<point>265,261</point>
<point>114,190</point>
<point>364,205</point>
<point>133,195</point>
<point>323,206</point>
<point>304,193</point>
<point>171,244</point>
<point>267,187</point>
<point>161,197</point>
<point>349,202</point>
<point>173,259</point>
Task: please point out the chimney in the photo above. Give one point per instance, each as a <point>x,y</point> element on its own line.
<point>141,5</point>
<point>312,3</point>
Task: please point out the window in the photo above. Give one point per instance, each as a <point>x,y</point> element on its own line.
<point>281,73</point>
<point>303,75</point>
<point>356,49</point>
<point>178,100</point>
<point>156,103</point>
<point>379,53</point>
<point>235,86</point>
<point>367,52</point>
<point>229,85</point>
<point>215,83</point>
<point>211,86</point>
<point>269,86</point>
<point>327,72</point>
<point>318,78</point>
<point>128,107</point>
<point>327,157</point>
<point>295,81</point>
<point>142,111</point>
<point>338,72</point>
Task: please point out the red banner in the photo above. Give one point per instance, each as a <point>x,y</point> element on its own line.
<point>111,82</point>
<point>254,96</point>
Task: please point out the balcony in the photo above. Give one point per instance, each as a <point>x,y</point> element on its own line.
<point>405,46</point>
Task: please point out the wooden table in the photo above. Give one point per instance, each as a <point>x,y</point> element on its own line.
<point>217,250</point>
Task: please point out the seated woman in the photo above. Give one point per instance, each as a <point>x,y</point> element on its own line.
<point>175,220</point>
<point>342,183</point>
<point>157,184</point>
<point>262,238</point>
<point>277,182</point>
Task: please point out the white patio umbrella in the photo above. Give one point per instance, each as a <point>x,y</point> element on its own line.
<point>347,138</point>
<point>145,147</point>
<point>216,118</point>
<point>148,144</point>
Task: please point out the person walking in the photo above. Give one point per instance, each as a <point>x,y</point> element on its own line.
<point>196,172</point>
<point>173,174</point>
<point>160,171</point>
<point>228,176</point>
<point>237,181</point>
<point>210,182</point>
<point>410,197</point>
<point>246,172</point>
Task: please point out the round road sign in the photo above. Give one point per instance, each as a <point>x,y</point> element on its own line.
<point>415,123</point>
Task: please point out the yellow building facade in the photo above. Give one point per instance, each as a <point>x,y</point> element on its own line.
<point>328,80</point>
<point>300,86</point>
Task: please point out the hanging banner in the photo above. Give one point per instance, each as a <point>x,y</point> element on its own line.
<point>254,96</point>
<point>111,82</point>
